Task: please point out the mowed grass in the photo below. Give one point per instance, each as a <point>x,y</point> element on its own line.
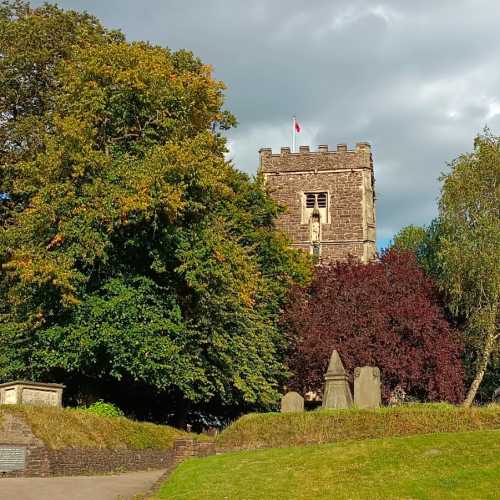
<point>272,430</point>
<point>71,428</point>
<point>433,466</point>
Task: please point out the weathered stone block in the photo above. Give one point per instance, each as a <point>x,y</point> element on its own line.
<point>496,396</point>
<point>292,402</point>
<point>31,393</point>
<point>367,387</point>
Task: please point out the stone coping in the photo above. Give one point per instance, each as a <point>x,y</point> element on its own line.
<point>33,384</point>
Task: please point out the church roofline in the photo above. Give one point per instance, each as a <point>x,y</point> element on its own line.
<point>322,148</point>
<point>323,159</point>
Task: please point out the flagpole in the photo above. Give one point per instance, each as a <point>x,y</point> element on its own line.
<point>293,134</point>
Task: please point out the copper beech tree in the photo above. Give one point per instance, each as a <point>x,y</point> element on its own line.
<point>387,314</point>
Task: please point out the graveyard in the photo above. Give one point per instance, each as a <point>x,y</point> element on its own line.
<point>191,310</point>
<point>407,449</point>
<point>350,447</point>
<point>346,444</point>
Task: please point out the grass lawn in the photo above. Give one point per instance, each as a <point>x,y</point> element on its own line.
<point>431,466</point>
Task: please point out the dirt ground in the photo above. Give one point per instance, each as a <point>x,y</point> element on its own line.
<point>120,486</point>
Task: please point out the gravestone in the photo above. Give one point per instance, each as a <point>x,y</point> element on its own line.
<point>337,393</point>
<point>367,393</point>
<point>292,402</point>
<point>31,393</point>
<point>496,396</point>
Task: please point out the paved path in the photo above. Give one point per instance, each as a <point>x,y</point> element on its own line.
<point>123,486</point>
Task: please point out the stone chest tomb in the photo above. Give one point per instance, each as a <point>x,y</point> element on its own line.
<point>329,199</point>
<point>31,393</point>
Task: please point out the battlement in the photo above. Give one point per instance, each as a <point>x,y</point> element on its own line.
<point>323,159</point>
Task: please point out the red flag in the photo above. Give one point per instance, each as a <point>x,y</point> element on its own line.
<point>297,126</point>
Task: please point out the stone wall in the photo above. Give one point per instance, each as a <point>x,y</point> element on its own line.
<point>87,461</point>
<point>187,448</point>
<point>347,177</point>
<point>37,464</point>
<point>16,433</point>
<point>41,461</point>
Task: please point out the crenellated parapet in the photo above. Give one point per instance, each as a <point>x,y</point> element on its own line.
<point>323,159</point>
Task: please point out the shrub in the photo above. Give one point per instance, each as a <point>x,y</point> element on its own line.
<point>104,409</point>
<point>387,314</point>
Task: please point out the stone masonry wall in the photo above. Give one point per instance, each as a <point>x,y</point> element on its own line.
<point>42,461</point>
<point>347,177</point>
<point>87,461</point>
<point>15,432</point>
<point>186,448</point>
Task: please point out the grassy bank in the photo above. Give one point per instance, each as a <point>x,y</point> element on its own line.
<point>70,428</point>
<point>449,465</point>
<point>330,426</point>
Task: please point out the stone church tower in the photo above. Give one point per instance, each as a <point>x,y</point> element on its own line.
<point>329,196</point>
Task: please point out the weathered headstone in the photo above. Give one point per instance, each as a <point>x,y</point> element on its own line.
<point>31,393</point>
<point>337,393</point>
<point>292,402</point>
<point>367,393</point>
<point>496,396</point>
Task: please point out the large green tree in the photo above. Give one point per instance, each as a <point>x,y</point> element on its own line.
<point>424,242</point>
<point>469,248</point>
<point>409,239</point>
<point>133,255</point>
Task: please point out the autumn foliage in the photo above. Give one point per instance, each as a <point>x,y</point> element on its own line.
<point>386,314</point>
<point>137,265</point>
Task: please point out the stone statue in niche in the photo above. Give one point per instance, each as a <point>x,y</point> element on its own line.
<point>315,226</point>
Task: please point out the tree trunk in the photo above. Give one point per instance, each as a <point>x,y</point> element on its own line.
<point>481,369</point>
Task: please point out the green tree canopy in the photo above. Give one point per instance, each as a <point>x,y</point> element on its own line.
<point>34,44</point>
<point>131,250</point>
<point>424,242</point>
<point>409,239</point>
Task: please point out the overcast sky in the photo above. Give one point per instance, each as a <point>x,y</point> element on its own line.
<point>418,80</point>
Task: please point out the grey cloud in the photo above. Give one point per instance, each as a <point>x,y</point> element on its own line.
<point>416,79</point>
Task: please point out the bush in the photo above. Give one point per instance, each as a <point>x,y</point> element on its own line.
<point>387,314</point>
<point>104,409</point>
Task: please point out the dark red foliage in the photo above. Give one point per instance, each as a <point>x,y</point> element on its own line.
<point>386,314</point>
